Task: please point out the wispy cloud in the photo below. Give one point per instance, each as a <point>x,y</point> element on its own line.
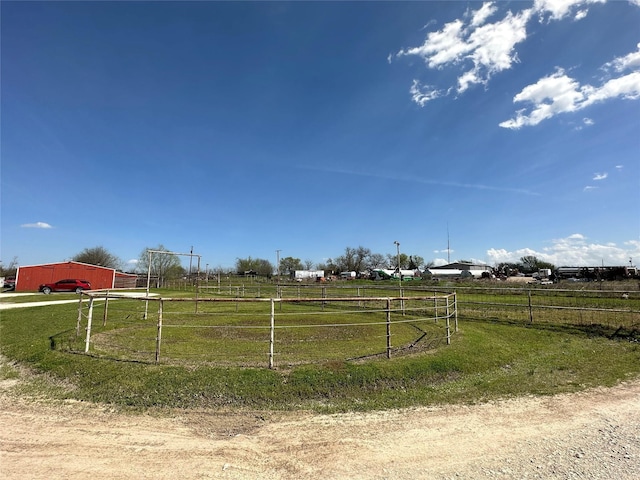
<point>600,176</point>
<point>422,181</point>
<point>36,225</point>
<point>588,188</point>
<point>421,94</point>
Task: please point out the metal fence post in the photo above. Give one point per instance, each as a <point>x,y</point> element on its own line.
<point>79,317</point>
<point>89,319</point>
<point>455,307</point>
<point>388,328</point>
<point>106,308</point>
<point>159,330</point>
<point>448,325</point>
<point>324,295</point>
<point>272,332</point>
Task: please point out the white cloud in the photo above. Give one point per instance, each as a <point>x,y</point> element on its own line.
<point>501,255</point>
<point>576,236</point>
<point>492,47</point>
<point>620,167</point>
<point>488,47</point>
<point>573,250</point>
<point>630,61</point>
<point>589,188</point>
<point>600,176</point>
<point>586,122</point>
<point>626,87</point>
<point>421,94</point>
<point>36,225</point>
<point>551,95</point>
<point>559,93</point>
<point>443,47</point>
<point>559,9</point>
<point>480,49</point>
<point>580,14</point>
<point>439,262</point>
<point>480,16</point>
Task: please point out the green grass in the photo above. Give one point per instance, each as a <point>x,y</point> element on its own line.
<point>486,360</point>
<point>237,333</point>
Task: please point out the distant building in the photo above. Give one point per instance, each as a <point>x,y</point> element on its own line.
<point>389,274</point>
<point>460,270</point>
<point>30,277</point>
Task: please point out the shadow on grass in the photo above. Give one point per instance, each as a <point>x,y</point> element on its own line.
<point>631,334</point>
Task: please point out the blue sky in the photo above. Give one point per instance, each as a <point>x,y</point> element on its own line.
<point>242,128</point>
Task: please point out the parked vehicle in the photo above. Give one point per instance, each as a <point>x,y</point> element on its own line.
<point>66,285</point>
<point>10,283</point>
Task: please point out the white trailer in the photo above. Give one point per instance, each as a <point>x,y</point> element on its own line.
<point>388,273</point>
<point>300,275</point>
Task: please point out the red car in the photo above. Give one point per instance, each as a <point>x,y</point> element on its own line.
<point>66,285</point>
<point>10,283</point>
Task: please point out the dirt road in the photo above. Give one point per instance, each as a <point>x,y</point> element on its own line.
<point>594,435</point>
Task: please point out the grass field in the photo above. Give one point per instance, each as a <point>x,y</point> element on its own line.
<point>487,359</point>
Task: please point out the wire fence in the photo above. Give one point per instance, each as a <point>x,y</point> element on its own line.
<point>286,325</point>
<point>617,310</point>
<point>261,331</point>
<point>609,305</point>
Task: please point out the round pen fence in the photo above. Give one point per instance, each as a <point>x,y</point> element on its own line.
<point>296,324</point>
<point>588,309</point>
<point>273,332</point>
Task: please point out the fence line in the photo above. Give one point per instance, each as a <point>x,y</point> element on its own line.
<point>606,308</point>
<point>610,309</point>
<point>161,325</point>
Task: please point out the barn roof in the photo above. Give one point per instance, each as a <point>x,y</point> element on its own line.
<point>67,263</point>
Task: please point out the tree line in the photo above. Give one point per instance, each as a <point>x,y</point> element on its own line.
<point>354,259</point>
<point>169,266</point>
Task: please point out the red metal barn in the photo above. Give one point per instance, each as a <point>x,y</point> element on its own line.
<point>29,278</point>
